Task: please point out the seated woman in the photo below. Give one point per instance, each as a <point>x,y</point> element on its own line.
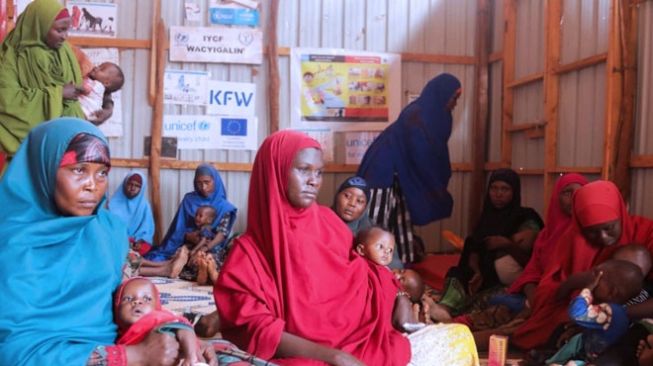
<point>65,252</point>
<point>295,260</point>
<point>600,225</point>
<point>350,203</point>
<point>209,190</point>
<point>497,250</point>
<point>558,219</point>
<point>130,204</point>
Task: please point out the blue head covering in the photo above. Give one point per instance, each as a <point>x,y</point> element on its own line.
<point>59,271</point>
<point>415,148</point>
<point>184,220</point>
<point>135,212</point>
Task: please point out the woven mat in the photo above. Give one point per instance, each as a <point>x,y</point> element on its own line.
<point>181,296</point>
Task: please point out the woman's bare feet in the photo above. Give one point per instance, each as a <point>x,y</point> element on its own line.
<point>645,352</point>
<point>202,273</point>
<point>212,268</point>
<point>179,262</point>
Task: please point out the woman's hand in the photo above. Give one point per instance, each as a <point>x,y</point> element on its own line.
<point>341,358</point>
<point>156,349</point>
<point>72,92</point>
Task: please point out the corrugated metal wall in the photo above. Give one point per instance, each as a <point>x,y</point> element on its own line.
<point>417,26</point>
<point>642,193</point>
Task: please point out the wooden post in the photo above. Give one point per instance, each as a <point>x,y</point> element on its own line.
<point>479,132</point>
<point>273,65</point>
<point>509,44</point>
<point>621,85</point>
<point>156,132</point>
<point>151,90</point>
<point>551,95</point>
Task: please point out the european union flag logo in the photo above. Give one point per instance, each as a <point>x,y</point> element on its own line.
<point>234,127</point>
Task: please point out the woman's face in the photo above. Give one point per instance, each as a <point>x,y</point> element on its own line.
<point>132,188</point>
<point>80,188</point>
<point>453,101</point>
<point>350,203</point>
<point>565,197</point>
<point>500,194</point>
<point>58,33</point>
<point>205,185</point>
<point>603,235</point>
<point>305,177</point>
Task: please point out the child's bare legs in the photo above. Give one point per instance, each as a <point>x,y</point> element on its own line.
<point>437,312</point>
<point>211,268</point>
<point>645,352</point>
<point>202,274</point>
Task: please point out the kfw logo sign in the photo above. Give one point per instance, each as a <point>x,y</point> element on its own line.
<point>229,98</point>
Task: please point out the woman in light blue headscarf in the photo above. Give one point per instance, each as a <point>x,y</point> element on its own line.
<point>62,254</point>
<point>130,204</point>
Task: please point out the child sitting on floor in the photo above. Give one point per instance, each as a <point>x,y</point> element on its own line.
<point>137,311</point>
<point>599,310</point>
<point>100,81</point>
<point>377,245</point>
<point>197,240</point>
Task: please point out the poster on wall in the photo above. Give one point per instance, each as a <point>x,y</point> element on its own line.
<point>231,98</point>
<point>228,13</point>
<point>91,19</point>
<point>205,44</point>
<point>356,143</point>
<point>343,89</point>
<point>325,137</point>
<point>212,132</point>
<point>113,126</point>
<point>185,87</point>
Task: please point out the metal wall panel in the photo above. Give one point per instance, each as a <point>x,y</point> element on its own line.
<point>585,25</point>
<point>529,44</point>
<point>581,126</point>
<point>642,179</point>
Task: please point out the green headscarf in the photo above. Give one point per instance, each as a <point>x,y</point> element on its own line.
<point>33,74</point>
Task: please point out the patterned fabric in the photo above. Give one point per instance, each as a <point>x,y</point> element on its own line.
<point>229,354</point>
<point>108,356</point>
<point>443,344</point>
<point>387,208</point>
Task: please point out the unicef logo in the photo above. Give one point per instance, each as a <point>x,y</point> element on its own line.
<point>203,126</point>
<point>181,38</point>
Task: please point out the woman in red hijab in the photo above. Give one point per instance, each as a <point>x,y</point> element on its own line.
<point>558,219</point>
<point>292,289</point>
<point>600,224</point>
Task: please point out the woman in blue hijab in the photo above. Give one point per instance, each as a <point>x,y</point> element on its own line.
<point>407,167</point>
<point>209,190</point>
<point>62,253</point>
<point>130,204</point>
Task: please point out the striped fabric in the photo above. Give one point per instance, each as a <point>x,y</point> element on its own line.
<point>388,209</point>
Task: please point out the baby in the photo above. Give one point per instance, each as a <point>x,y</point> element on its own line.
<point>599,310</point>
<point>137,311</point>
<point>199,238</point>
<point>377,245</point>
<point>102,80</point>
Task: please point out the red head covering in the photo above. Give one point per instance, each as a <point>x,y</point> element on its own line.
<point>293,264</point>
<point>62,14</point>
<point>137,331</point>
<point>557,221</point>
<point>575,254</point>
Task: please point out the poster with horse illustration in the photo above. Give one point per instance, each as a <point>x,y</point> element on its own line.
<point>93,19</point>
